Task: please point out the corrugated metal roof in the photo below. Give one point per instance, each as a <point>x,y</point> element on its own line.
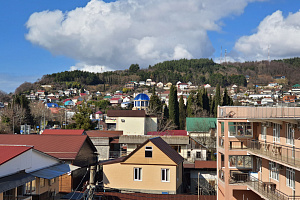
<point>126,113</point>
<point>169,132</point>
<point>15,180</point>
<point>64,147</point>
<point>63,132</point>
<point>200,124</point>
<point>9,152</point>
<point>98,133</point>
<point>54,171</point>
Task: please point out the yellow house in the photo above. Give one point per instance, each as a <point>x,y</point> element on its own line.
<point>153,167</point>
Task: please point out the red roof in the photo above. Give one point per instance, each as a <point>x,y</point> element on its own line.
<point>115,99</point>
<point>63,132</point>
<point>82,94</point>
<point>201,164</point>
<point>66,100</point>
<point>169,132</point>
<point>65,147</point>
<point>97,133</point>
<point>9,152</point>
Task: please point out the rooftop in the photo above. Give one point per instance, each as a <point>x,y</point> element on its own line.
<point>9,152</point>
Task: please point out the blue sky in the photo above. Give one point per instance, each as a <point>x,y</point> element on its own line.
<point>49,36</point>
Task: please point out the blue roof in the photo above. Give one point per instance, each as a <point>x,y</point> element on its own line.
<point>142,97</point>
<point>68,103</point>
<point>52,105</point>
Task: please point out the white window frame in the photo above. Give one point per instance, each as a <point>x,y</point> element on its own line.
<point>276,132</point>
<point>274,170</point>
<point>139,174</point>
<point>244,126</point>
<point>290,178</point>
<point>148,149</point>
<point>165,175</point>
<point>290,134</point>
<point>264,132</point>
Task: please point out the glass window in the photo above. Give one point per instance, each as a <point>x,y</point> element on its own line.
<point>188,154</point>
<point>258,164</point>
<point>42,182</point>
<point>274,171</point>
<point>198,154</point>
<point>263,132</point>
<point>165,175</point>
<point>240,161</point>
<point>276,132</point>
<point>148,152</point>
<point>137,174</point>
<point>290,134</point>
<point>240,129</point>
<point>290,177</point>
<point>142,103</point>
<point>232,161</point>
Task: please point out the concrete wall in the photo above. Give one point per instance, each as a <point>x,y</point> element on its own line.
<point>131,125</point>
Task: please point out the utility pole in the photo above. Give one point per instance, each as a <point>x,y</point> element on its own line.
<point>198,185</point>
<point>91,186</point>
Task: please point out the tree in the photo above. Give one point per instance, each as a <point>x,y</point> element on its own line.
<point>190,102</point>
<point>134,68</point>
<point>81,118</point>
<point>173,106</point>
<point>226,98</point>
<point>217,99</point>
<point>182,114</point>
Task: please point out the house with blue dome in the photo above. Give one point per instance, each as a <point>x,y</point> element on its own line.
<point>141,102</point>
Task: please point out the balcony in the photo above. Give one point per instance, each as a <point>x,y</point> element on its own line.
<point>284,154</point>
<point>258,112</point>
<point>266,190</point>
<point>117,154</point>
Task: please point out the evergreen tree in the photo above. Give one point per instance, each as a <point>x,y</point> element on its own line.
<point>226,98</point>
<point>217,99</point>
<point>166,112</point>
<point>205,101</point>
<point>182,114</point>
<point>190,102</point>
<point>155,104</point>
<point>173,106</point>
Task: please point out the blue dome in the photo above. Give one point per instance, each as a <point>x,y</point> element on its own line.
<point>142,97</point>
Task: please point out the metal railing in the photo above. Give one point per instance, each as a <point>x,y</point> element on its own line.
<point>278,152</point>
<point>266,189</point>
<point>258,112</point>
<point>238,145</point>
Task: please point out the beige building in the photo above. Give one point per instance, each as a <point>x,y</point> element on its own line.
<point>131,122</point>
<point>154,167</point>
<point>258,153</point>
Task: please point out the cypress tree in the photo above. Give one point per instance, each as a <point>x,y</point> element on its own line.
<point>205,100</point>
<point>217,99</point>
<point>226,98</point>
<point>189,109</point>
<point>173,106</point>
<point>182,114</point>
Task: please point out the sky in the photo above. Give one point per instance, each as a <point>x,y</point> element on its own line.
<point>44,37</point>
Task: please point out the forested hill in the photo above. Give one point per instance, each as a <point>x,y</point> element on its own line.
<point>198,71</point>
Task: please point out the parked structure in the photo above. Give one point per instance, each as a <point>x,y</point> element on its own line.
<point>258,153</point>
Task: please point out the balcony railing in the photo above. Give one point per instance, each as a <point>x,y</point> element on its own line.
<point>266,189</point>
<point>238,145</point>
<point>258,112</point>
<point>284,154</point>
<point>117,154</point>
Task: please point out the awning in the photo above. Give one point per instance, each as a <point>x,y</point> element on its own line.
<point>54,171</point>
<point>15,180</point>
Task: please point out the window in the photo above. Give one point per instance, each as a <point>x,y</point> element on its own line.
<point>274,171</point>
<point>276,133</point>
<point>188,154</point>
<point>263,132</point>
<point>258,164</point>
<point>198,154</point>
<point>165,175</point>
<point>137,174</point>
<point>240,129</point>
<point>42,182</point>
<point>52,181</point>
<point>148,152</point>
<point>30,187</point>
<point>290,177</point>
<point>240,161</point>
<point>290,134</point>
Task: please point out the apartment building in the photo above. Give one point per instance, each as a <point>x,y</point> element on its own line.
<point>258,152</point>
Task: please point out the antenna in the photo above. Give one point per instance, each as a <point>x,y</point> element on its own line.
<point>221,56</point>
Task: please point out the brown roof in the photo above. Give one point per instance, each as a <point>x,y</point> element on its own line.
<point>126,113</point>
<point>97,133</point>
<point>201,164</point>
<point>65,147</point>
<point>63,132</point>
<point>164,147</point>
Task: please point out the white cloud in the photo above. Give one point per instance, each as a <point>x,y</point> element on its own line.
<point>9,82</point>
<point>90,68</point>
<point>120,33</point>
<point>280,34</point>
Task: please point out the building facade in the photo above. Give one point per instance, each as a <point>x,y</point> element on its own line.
<point>258,152</point>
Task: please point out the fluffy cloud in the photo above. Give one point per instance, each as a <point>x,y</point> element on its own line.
<point>90,68</point>
<point>120,33</point>
<point>279,34</point>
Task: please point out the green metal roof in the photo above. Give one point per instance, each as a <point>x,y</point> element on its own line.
<point>296,86</point>
<point>200,124</point>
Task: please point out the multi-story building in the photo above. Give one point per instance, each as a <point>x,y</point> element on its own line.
<point>258,153</point>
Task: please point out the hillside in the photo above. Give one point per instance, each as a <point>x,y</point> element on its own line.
<point>198,71</point>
